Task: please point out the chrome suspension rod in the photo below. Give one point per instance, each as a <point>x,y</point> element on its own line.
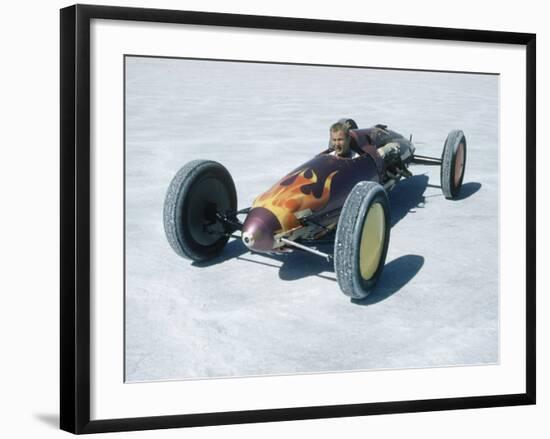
<point>305,248</point>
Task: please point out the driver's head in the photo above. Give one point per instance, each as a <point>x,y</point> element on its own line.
<point>340,139</point>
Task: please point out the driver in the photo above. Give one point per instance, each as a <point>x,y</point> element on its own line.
<point>340,145</point>
<point>340,140</point>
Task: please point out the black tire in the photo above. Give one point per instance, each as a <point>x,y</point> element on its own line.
<point>197,191</point>
<point>359,256</point>
<point>453,164</point>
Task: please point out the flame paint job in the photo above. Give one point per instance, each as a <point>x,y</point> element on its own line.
<point>297,191</point>
<point>322,185</point>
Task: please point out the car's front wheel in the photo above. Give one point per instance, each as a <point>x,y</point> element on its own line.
<point>362,239</point>
<point>200,190</point>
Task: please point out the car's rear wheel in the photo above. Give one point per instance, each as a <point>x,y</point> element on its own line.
<point>453,164</point>
<point>198,191</point>
<point>362,239</point>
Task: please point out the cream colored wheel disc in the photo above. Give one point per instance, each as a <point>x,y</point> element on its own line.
<point>372,241</point>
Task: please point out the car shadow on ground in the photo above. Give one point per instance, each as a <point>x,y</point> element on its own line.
<point>232,250</point>
<point>407,196</point>
<point>467,190</point>
<point>298,265</point>
<point>395,276</point>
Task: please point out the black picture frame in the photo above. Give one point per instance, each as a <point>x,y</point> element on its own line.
<point>75,217</point>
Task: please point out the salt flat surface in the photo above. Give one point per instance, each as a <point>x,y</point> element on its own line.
<point>247,314</point>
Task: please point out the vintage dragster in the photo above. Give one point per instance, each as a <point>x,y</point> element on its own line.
<point>327,193</point>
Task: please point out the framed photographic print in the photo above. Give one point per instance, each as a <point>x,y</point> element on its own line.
<point>275,218</point>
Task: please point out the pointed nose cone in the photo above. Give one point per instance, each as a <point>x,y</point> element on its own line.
<point>259,228</point>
